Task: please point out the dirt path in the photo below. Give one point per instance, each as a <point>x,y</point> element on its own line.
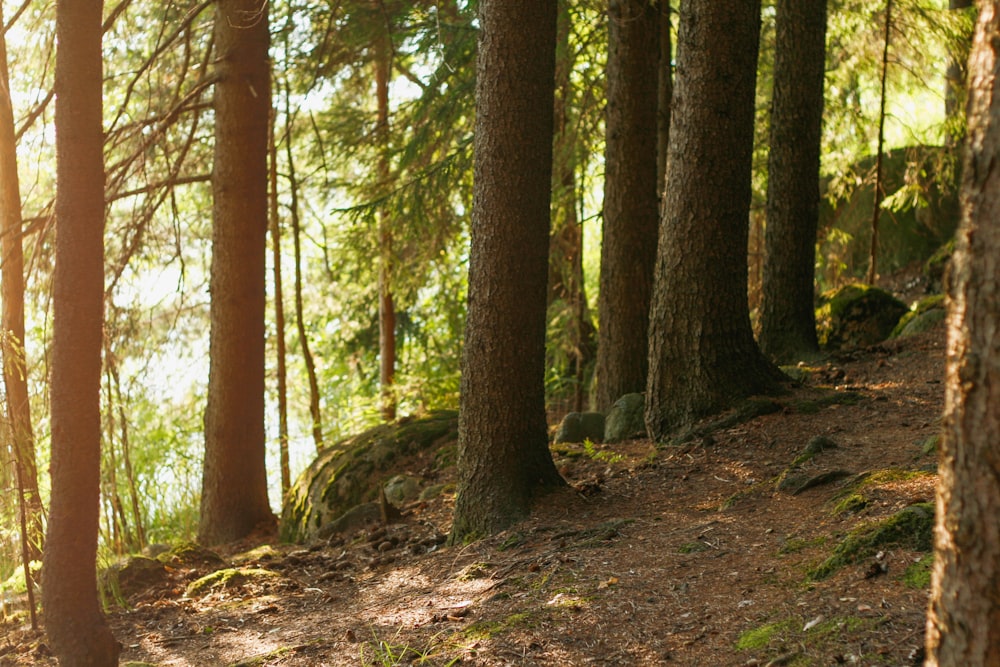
<point>683,556</point>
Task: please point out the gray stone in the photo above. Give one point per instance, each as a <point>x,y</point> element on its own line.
<point>626,419</point>
<point>402,489</point>
<point>580,426</point>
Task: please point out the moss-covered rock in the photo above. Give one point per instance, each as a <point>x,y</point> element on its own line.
<point>626,419</point>
<point>228,579</point>
<point>910,528</point>
<point>349,473</point>
<point>856,316</point>
<point>580,426</point>
<point>129,577</point>
<point>923,316</point>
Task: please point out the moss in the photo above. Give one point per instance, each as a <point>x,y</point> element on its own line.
<point>762,637</point>
<point>918,575</point>
<point>692,547</point>
<point>910,528</point>
<point>796,544</point>
<point>482,630</point>
<point>227,578</point>
<point>857,315</point>
<point>850,504</point>
<point>933,302</point>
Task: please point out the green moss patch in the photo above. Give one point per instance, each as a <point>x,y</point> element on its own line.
<point>910,528</point>
<point>918,575</point>
<point>763,636</point>
<point>229,578</point>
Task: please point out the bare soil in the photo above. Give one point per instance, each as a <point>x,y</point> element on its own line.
<point>684,555</point>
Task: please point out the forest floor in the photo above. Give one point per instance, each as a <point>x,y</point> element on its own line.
<point>695,554</point>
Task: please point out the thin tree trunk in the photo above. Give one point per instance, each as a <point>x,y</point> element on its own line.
<point>386,304</point>
<point>664,96</point>
<point>15,371</point>
<point>877,211</point>
<point>279,307</point>
<point>300,321</point>
<point>133,491</point>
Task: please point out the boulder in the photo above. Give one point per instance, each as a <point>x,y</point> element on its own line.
<point>857,315</point>
<point>580,426</point>
<point>626,419</point>
<point>352,471</point>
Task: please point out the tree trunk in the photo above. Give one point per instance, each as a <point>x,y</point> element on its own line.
<point>234,483</point>
<point>955,89</point>
<point>631,208</point>
<point>77,631</point>
<point>702,355</point>
<point>15,370</point>
<point>300,322</point>
<point>665,94</point>
<point>567,292</point>
<point>787,314</point>
<point>279,303</point>
<point>963,624</point>
<point>504,460</point>
<point>386,305</point>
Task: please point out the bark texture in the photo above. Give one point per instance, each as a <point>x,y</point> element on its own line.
<point>504,460</point>
<point>77,631</point>
<point>631,208</point>
<point>963,625</point>
<point>234,484</point>
<point>702,355</point>
<point>787,315</point>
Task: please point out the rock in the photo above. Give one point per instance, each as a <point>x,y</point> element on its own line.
<point>402,489</point>
<point>351,472</point>
<point>626,419</point>
<point>580,426</point>
<point>353,519</point>
<point>857,316</point>
<point>123,580</point>
<point>925,315</point>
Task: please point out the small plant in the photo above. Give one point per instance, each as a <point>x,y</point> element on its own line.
<point>389,653</point>
<point>592,452</point>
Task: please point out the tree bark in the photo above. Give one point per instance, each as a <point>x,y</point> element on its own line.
<point>77,631</point>
<point>702,355</point>
<point>631,206</point>
<point>787,314</point>
<point>504,460</point>
<point>234,483</point>
<point>963,624</point>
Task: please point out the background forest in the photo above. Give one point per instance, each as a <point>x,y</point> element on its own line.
<point>371,191</point>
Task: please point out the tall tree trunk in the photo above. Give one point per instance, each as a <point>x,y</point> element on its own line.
<point>963,623</point>
<point>787,314</point>
<point>300,317</point>
<point>566,286</point>
<point>631,207</point>
<point>15,370</point>
<point>879,186</point>
<point>665,93</point>
<point>78,633</point>
<point>504,459</point>
<point>234,482</point>
<point>386,304</point>
<point>955,89</point>
<point>279,304</point>
<point>702,354</point>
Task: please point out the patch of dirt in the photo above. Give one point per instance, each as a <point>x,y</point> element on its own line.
<point>687,555</point>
